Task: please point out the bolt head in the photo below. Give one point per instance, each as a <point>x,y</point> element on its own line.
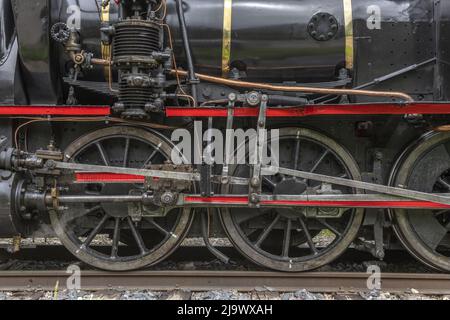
<point>253,98</point>
<point>138,81</point>
<point>167,198</point>
<point>254,198</point>
<point>255,182</point>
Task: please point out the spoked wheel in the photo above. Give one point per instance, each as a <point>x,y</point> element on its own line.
<point>425,233</point>
<point>297,239</point>
<point>103,234</point>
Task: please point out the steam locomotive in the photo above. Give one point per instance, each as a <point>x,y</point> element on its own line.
<point>92,92</point>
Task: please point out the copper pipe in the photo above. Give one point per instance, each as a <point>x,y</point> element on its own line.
<point>110,74</point>
<point>79,58</point>
<point>101,62</point>
<point>444,128</point>
<point>265,86</point>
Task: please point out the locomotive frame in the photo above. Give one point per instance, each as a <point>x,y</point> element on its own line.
<point>401,164</point>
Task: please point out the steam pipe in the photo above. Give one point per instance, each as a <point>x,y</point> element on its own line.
<point>193,80</point>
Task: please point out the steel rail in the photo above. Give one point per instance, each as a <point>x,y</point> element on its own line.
<point>223,280</point>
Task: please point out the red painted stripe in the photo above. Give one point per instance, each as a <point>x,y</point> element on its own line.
<point>55,110</point>
<point>318,110</point>
<point>87,177</point>
<point>230,200</point>
<point>331,204</point>
<point>196,112</point>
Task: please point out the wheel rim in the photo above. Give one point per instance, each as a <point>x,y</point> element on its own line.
<point>256,233</point>
<point>425,233</point>
<point>104,235</point>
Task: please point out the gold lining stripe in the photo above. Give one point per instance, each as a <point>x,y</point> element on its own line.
<point>349,40</point>
<point>226,46</point>
<point>106,49</point>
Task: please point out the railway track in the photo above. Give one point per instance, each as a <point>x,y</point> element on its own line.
<point>437,284</point>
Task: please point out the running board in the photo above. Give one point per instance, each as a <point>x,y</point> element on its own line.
<point>423,108</point>
<point>81,111</point>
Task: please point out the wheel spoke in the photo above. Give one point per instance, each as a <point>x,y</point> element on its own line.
<point>444,183</point>
<point>266,231</point>
<point>439,213</point>
<point>96,231</point>
<point>265,179</point>
<point>159,228</point>
<point>116,238</point>
<point>126,152</point>
<point>311,244</point>
<point>297,154</point>
<point>78,214</point>
<point>137,236</point>
<point>103,154</point>
<point>246,215</point>
<point>269,182</point>
<point>152,155</point>
<point>287,238</point>
<point>329,227</point>
<point>319,161</point>
<point>93,209</point>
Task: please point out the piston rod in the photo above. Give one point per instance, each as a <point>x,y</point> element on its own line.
<point>94,199</point>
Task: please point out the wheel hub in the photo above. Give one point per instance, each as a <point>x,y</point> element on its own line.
<point>290,186</point>
<point>116,210</point>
